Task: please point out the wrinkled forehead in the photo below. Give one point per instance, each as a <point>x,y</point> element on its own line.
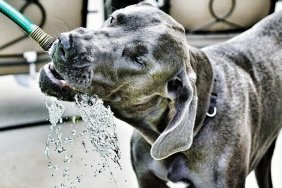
<point>143,16</point>
<point>146,25</point>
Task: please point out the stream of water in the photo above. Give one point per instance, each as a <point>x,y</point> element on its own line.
<point>98,136</point>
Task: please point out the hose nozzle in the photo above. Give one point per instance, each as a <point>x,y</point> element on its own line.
<point>42,38</point>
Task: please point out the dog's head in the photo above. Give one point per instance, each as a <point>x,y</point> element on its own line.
<point>139,64</point>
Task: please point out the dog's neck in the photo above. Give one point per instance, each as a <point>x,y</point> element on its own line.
<point>205,84</point>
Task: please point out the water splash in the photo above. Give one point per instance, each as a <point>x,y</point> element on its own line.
<point>98,136</point>
<point>56,111</point>
<point>101,128</point>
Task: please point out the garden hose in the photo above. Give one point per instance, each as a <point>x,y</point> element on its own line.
<point>32,30</point>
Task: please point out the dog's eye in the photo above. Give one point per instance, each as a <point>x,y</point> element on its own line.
<point>112,19</point>
<point>139,60</point>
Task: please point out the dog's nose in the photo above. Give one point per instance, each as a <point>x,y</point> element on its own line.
<point>64,47</point>
<point>64,40</point>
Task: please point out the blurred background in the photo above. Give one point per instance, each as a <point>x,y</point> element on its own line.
<point>24,117</point>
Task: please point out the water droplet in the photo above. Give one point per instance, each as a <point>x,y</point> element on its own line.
<point>47,152</point>
<point>78,178</point>
<point>50,165</point>
<point>66,159</point>
<point>55,167</point>
<point>66,172</point>
<point>73,132</point>
<point>61,149</point>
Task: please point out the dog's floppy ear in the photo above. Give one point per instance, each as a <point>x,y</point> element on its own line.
<point>178,135</point>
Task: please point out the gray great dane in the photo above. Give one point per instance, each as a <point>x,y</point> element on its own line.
<point>140,64</point>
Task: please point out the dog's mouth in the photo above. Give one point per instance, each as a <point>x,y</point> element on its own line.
<point>51,83</point>
<point>54,76</point>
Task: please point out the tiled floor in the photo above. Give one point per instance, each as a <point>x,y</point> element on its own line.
<point>22,159</point>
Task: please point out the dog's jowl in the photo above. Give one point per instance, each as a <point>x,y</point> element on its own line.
<point>141,65</point>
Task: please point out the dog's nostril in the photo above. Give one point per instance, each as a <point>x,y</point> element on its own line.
<point>63,54</point>
<point>64,40</point>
